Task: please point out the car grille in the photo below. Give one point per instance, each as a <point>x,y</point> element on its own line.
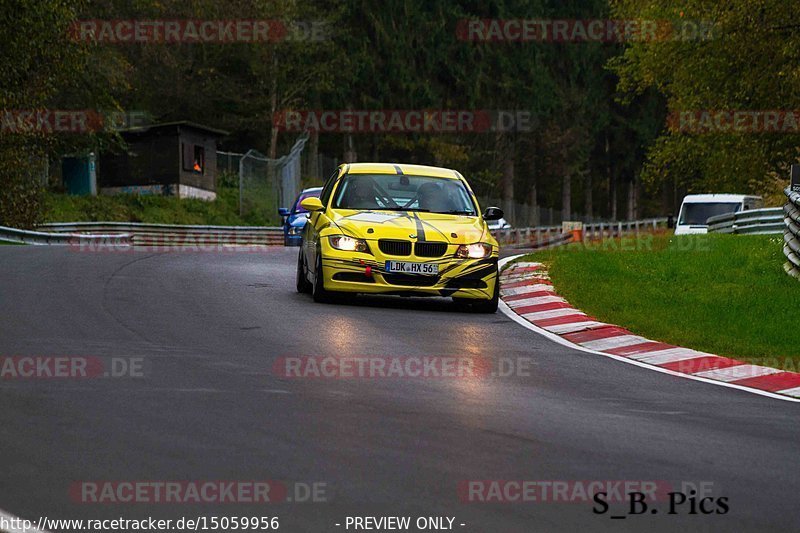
<point>394,247</point>
<point>430,249</point>
<point>410,280</point>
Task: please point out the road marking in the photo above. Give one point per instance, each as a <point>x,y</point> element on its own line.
<point>787,395</point>
<point>573,327</point>
<point>735,373</point>
<point>526,289</point>
<point>538,300</point>
<point>541,315</point>
<point>659,357</point>
<point>791,392</point>
<point>613,342</point>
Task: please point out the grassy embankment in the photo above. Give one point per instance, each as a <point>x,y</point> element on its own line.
<point>722,294</point>
<point>223,211</point>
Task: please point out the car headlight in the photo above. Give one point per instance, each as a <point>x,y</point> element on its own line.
<point>474,251</point>
<point>295,230</point>
<point>349,244</point>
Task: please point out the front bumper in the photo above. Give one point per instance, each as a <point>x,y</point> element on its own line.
<point>366,273</point>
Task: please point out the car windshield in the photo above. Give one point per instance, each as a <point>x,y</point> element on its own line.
<point>400,192</point>
<point>299,208</point>
<point>696,214</point>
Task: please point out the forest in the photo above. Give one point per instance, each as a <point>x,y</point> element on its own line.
<point>606,110</point>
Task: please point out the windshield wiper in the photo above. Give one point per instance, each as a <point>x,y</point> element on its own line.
<point>402,209</point>
<point>455,212</point>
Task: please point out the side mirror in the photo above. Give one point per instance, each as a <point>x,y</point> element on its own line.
<point>282,211</point>
<point>312,204</point>
<point>493,213</point>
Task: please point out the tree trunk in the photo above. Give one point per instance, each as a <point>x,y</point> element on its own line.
<point>612,182</point>
<point>273,103</point>
<point>632,207</point>
<point>566,196</point>
<point>613,187</point>
<point>587,198</point>
<point>505,149</point>
<point>533,204</point>
<point>508,189</point>
<point>312,161</point>
<point>350,155</point>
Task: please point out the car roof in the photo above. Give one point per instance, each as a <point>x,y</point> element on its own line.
<point>703,198</point>
<point>401,168</point>
<point>311,189</point>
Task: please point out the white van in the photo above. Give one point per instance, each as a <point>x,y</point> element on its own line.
<point>696,209</point>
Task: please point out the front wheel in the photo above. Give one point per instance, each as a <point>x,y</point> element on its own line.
<point>303,286</point>
<point>318,289</point>
<point>489,306</point>
<point>482,306</point>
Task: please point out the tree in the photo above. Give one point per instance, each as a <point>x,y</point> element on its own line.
<point>747,62</point>
<point>43,70</point>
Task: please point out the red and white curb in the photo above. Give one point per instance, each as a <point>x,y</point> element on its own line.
<point>528,297</point>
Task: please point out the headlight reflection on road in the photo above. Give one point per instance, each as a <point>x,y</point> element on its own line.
<point>477,386</point>
<point>338,334</point>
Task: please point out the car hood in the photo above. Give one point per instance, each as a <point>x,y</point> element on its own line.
<point>454,229</point>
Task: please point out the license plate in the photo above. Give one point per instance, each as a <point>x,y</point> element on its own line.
<point>404,267</point>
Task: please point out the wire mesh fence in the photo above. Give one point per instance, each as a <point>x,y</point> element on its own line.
<point>228,162</point>
<point>266,184</point>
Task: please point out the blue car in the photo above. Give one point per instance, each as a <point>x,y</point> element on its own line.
<point>295,219</point>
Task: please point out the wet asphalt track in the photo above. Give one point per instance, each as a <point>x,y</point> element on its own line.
<point>210,326</point>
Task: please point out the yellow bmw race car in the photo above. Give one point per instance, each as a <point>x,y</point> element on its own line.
<point>410,230</point>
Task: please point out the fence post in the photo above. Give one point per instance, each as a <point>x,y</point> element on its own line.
<point>241,179</point>
<point>791,237</point>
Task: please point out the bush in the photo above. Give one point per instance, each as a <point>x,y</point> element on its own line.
<point>21,195</point>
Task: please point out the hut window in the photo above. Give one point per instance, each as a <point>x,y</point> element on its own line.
<point>194,157</point>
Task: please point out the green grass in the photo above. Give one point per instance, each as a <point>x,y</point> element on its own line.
<point>722,294</point>
<point>155,209</point>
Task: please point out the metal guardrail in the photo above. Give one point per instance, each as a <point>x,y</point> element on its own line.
<point>524,236</point>
<point>791,234</point>
<point>62,239</point>
<point>521,237</point>
<point>162,228</point>
<point>754,222</point>
<point>177,235</point>
<point>141,234</point>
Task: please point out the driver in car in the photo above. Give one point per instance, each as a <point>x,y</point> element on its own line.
<point>361,195</point>
<point>433,198</point>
